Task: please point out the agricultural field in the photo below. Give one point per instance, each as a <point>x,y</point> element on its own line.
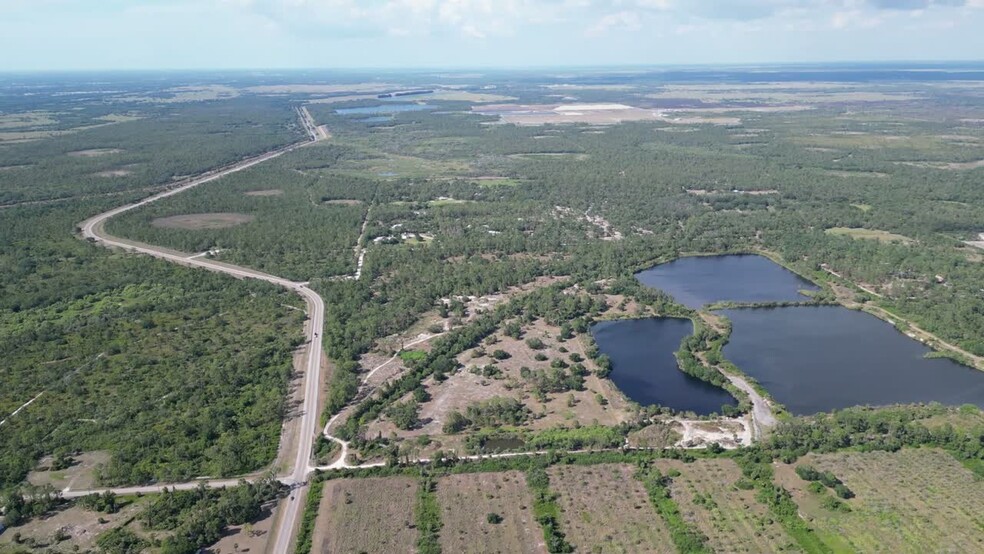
<point>605,509</point>
<point>367,515</point>
<point>469,504</point>
<point>913,500</point>
<point>732,518</point>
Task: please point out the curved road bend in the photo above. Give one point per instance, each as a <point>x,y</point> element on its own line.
<point>291,507</point>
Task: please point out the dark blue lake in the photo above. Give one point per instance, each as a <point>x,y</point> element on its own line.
<point>383,109</point>
<point>644,368</point>
<point>819,358</point>
<point>701,280</point>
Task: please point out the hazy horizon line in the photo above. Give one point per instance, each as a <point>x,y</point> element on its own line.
<point>503,67</point>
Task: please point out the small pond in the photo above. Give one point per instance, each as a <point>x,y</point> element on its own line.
<point>383,109</point>
<point>817,359</point>
<point>701,280</point>
<point>645,369</point>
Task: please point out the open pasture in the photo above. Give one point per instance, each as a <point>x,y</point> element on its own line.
<point>910,501</point>
<point>605,509</point>
<point>366,515</point>
<point>468,503</point>
<point>732,519</point>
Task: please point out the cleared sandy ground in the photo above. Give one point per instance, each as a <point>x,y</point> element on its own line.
<point>197,222</point>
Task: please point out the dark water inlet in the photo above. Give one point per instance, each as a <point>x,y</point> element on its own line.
<point>645,369</point>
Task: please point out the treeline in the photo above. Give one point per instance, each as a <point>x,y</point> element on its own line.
<point>196,519</point>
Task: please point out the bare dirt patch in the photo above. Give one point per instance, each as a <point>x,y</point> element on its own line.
<point>94,152</point>
<point>248,538</point>
<point>367,515</point>
<point>913,500</point>
<point>732,519</point>
<point>466,502</point>
<point>343,202</point>
<point>605,509</point>
<point>81,475</point>
<point>849,174</point>
<point>591,114</point>
<point>267,192</point>
<point>199,222</point>
<point>114,173</point>
<point>661,434</point>
<point>82,527</point>
<point>952,166</point>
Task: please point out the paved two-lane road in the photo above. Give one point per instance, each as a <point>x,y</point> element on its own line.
<point>291,507</point>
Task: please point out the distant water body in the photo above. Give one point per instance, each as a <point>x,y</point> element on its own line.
<point>383,109</point>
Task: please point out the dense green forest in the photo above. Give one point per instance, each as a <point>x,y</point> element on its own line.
<point>175,372</point>
<point>162,145</point>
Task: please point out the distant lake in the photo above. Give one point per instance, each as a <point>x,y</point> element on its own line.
<point>645,370</point>
<point>700,280</point>
<point>384,109</point>
<point>816,359</point>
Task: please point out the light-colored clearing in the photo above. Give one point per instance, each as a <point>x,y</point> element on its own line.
<point>324,89</point>
<point>114,173</point>
<point>465,96</point>
<point>849,174</point>
<point>199,222</point>
<point>952,166</point>
<point>869,234</point>
<point>266,192</point>
<point>367,515</point>
<point>81,475</point>
<point>343,202</point>
<point>468,499</point>
<point>81,526</point>
<point>26,119</point>
<point>605,509</point>
<point>706,192</point>
<point>94,152</point>
<point>235,539</point>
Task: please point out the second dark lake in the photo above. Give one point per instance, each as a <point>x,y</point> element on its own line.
<point>645,369</point>
<point>700,280</point>
<point>817,359</point>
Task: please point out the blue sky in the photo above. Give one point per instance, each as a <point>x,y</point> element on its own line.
<point>202,34</point>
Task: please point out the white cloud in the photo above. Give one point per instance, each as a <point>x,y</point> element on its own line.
<point>624,20</point>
